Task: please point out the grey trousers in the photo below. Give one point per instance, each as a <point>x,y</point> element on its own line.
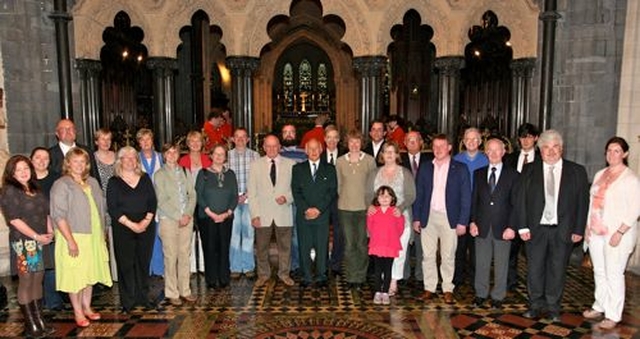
<point>488,249</point>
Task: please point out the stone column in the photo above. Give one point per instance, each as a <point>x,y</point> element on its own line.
<point>549,18</point>
<point>521,83</point>
<point>370,70</point>
<point>90,95</point>
<point>448,69</point>
<point>61,19</point>
<point>163,96</point>
<point>242,68</point>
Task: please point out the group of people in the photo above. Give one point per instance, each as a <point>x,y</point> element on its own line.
<point>124,216</point>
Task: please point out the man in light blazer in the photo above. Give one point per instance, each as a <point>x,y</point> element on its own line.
<point>314,186</point>
<point>441,212</point>
<point>552,207</point>
<point>492,223</point>
<point>269,191</point>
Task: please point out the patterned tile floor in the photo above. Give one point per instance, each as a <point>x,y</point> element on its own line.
<point>277,311</point>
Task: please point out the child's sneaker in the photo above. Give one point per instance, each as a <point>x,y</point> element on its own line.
<point>385,299</point>
<point>377,298</point>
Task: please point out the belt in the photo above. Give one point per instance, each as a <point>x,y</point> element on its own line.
<point>549,225</point>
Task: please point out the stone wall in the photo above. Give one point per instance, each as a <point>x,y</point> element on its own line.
<point>27,41</point>
<point>587,67</point>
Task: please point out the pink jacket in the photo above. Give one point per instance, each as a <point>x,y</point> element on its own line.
<point>385,230</point>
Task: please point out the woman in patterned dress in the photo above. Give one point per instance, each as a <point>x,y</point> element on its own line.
<point>26,209</point>
<point>106,161</point>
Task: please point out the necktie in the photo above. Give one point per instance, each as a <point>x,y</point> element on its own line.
<point>414,166</point>
<point>492,179</point>
<point>550,186</point>
<point>313,172</point>
<point>526,158</point>
<point>272,172</point>
<point>331,158</point>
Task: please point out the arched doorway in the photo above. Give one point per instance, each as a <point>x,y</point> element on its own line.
<point>304,31</point>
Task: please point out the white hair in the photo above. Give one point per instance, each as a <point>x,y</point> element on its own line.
<point>548,136</point>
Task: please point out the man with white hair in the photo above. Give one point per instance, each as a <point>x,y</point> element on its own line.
<point>552,206</point>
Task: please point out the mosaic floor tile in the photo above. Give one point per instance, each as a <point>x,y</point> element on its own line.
<point>279,311</point>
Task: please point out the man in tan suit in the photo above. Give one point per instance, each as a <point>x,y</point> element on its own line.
<point>270,195</point>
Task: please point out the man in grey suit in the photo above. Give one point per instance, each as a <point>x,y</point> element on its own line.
<point>552,206</point>
<point>492,220</point>
<point>269,190</point>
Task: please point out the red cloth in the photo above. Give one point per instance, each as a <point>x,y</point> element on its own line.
<point>314,133</point>
<point>185,161</point>
<point>397,136</point>
<point>215,135</point>
<point>385,230</point>
<point>227,130</point>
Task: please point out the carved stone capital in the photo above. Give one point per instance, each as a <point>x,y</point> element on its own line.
<point>523,68</point>
<point>88,66</point>
<point>242,65</point>
<point>162,62</point>
<point>162,66</point>
<point>450,65</point>
<point>370,65</point>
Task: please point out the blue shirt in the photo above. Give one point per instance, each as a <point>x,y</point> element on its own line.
<point>478,161</point>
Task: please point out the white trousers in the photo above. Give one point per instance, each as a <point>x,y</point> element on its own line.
<point>397,270</point>
<point>609,265</point>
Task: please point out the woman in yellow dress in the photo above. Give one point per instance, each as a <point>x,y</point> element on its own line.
<point>78,211</point>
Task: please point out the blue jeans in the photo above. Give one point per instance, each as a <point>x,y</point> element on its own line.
<point>295,251</point>
<point>52,299</point>
<point>241,247</point>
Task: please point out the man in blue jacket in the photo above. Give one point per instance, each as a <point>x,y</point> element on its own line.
<point>441,212</point>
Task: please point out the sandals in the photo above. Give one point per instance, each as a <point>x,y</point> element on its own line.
<point>393,288</point>
<point>93,316</point>
<point>83,323</point>
<point>607,324</point>
<point>592,314</point>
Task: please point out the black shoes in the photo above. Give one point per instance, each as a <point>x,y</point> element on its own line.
<point>554,317</point>
<point>478,302</point>
<point>530,314</point>
<point>496,304</point>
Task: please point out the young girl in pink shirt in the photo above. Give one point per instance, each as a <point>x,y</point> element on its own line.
<point>385,227</point>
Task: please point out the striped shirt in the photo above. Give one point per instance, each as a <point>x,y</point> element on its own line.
<point>240,162</point>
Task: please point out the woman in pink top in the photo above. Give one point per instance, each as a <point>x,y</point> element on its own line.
<point>385,229</point>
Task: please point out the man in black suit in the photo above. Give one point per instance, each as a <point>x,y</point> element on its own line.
<point>66,134</point>
<point>330,156</point>
<point>552,206</point>
<point>492,223</point>
<point>527,153</point>
<point>527,137</point>
<point>377,133</point>
<point>314,186</point>
<point>413,160</point>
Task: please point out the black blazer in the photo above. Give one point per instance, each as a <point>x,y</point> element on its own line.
<point>406,160</point>
<point>57,159</point>
<point>309,193</point>
<point>494,210</point>
<point>323,156</point>
<point>369,150</point>
<point>511,159</point>
<point>573,199</point>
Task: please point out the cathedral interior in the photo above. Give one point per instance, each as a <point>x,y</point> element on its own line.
<point>439,65</point>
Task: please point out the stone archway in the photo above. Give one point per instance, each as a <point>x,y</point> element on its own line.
<point>306,24</point>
